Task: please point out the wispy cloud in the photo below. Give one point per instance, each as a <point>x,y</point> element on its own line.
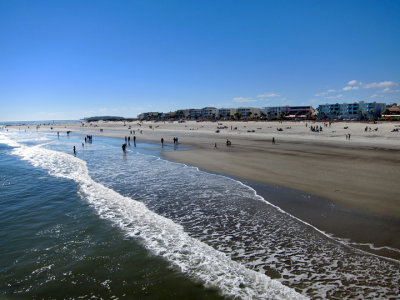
<point>322,94</point>
<point>382,84</point>
<point>381,88</point>
<point>380,93</point>
<point>354,82</point>
<point>268,95</point>
<point>243,100</point>
<point>335,97</point>
<point>350,87</point>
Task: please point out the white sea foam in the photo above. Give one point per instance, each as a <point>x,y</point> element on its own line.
<point>158,234</point>
<point>4,139</point>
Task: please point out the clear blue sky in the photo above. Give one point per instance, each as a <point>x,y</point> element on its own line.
<point>74,59</point>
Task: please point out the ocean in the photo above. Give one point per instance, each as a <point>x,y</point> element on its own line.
<point>108,224</point>
<point>35,123</point>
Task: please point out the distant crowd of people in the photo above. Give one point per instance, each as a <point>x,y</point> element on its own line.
<point>316,128</point>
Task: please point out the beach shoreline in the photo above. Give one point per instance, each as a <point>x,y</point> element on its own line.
<point>360,173</point>
<point>366,231</point>
<point>343,187</point>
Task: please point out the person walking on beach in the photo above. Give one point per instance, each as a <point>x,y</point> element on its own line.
<point>273,141</point>
<point>123,147</point>
<point>162,142</point>
<point>74,150</point>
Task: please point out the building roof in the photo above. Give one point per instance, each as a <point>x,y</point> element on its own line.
<point>394,109</point>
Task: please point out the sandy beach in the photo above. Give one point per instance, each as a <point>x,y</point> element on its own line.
<point>361,172</point>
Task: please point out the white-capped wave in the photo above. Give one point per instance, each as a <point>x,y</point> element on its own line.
<point>4,139</point>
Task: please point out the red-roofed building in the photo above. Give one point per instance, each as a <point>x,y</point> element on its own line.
<point>391,112</point>
<point>394,110</point>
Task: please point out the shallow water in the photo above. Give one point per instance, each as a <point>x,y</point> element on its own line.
<point>54,244</point>
<point>108,217</point>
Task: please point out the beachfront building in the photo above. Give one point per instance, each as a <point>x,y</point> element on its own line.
<point>301,112</point>
<point>150,116</point>
<point>275,111</point>
<point>225,113</point>
<point>293,112</point>
<point>394,110</point>
<point>166,116</point>
<point>246,112</point>
<point>391,112</point>
<point>208,113</point>
<point>241,113</point>
<point>192,113</point>
<point>351,111</point>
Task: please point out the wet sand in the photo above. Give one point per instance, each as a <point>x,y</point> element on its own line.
<point>357,176</point>
<point>366,231</point>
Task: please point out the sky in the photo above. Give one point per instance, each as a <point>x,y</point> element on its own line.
<point>66,60</point>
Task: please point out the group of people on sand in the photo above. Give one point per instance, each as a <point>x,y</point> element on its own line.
<point>127,142</point>
<point>316,128</point>
<point>175,140</point>
<point>229,143</point>
<point>370,129</point>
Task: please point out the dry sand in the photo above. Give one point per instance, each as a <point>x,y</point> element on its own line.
<point>361,172</point>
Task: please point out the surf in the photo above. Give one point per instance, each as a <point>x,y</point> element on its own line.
<point>158,234</point>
